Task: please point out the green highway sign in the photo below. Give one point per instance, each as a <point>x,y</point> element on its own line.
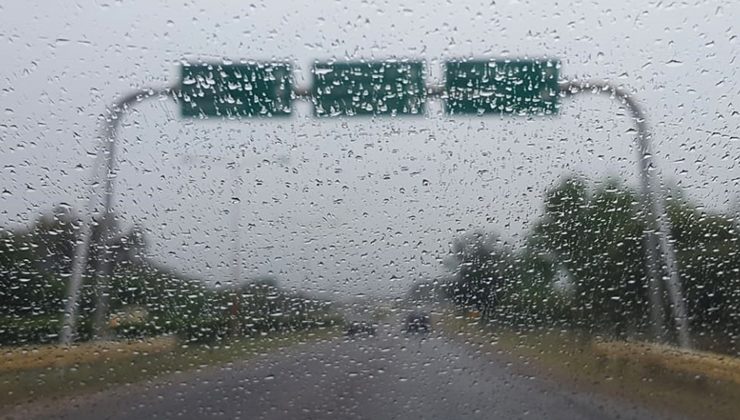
<point>368,88</point>
<point>235,90</point>
<point>502,87</point>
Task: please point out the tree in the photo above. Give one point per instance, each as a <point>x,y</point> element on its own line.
<point>35,263</point>
<point>708,250</point>
<point>424,291</point>
<point>594,234</point>
<point>481,268</point>
<point>597,237</point>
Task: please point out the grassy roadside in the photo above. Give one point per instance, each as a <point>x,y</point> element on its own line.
<point>568,358</point>
<point>29,385</point>
<point>697,364</point>
<point>50,355</point>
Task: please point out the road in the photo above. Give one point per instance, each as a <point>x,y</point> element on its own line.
<point>390,376</point>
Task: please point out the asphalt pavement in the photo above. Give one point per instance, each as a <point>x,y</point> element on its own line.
<point>389,376</point>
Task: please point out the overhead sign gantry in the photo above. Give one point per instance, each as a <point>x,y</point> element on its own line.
<point>503,87</point>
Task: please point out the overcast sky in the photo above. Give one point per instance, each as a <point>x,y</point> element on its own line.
<point>354,205</point>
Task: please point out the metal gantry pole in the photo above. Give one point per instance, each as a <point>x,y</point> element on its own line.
<point>236,266</point>
<point>236,217</point>
<point>235,214</point>
<point>658,235</point>
<point>234,225</point>
<point>111,121</point>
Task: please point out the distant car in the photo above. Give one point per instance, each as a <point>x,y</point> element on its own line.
<point>360,328</point>
<point>418,322</point>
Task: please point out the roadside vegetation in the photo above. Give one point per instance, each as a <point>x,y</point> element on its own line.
<point>582,269</point>
<point>143,298</point>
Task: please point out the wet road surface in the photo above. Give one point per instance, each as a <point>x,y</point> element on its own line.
<point>390,376</point>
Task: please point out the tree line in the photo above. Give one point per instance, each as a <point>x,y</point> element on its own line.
<point>144,297</point>
<point>582,266</point>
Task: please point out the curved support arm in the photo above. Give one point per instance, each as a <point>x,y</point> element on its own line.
<point>654,205</point>
<point>107,149</point>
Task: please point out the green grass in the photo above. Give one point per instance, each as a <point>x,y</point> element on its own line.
<point>569,358</point>
<point>54,382</point>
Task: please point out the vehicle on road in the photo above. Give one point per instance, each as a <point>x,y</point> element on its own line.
<point>360,329</point>
<point>418,322</point>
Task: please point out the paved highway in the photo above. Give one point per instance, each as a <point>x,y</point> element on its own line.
<point>391,376</point>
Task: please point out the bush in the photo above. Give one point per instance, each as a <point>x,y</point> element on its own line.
<point>37,329</point>
<point>137,330</point>
<point>203,330</point>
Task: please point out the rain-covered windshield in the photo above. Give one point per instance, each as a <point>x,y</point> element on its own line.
<point>360,209</point>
